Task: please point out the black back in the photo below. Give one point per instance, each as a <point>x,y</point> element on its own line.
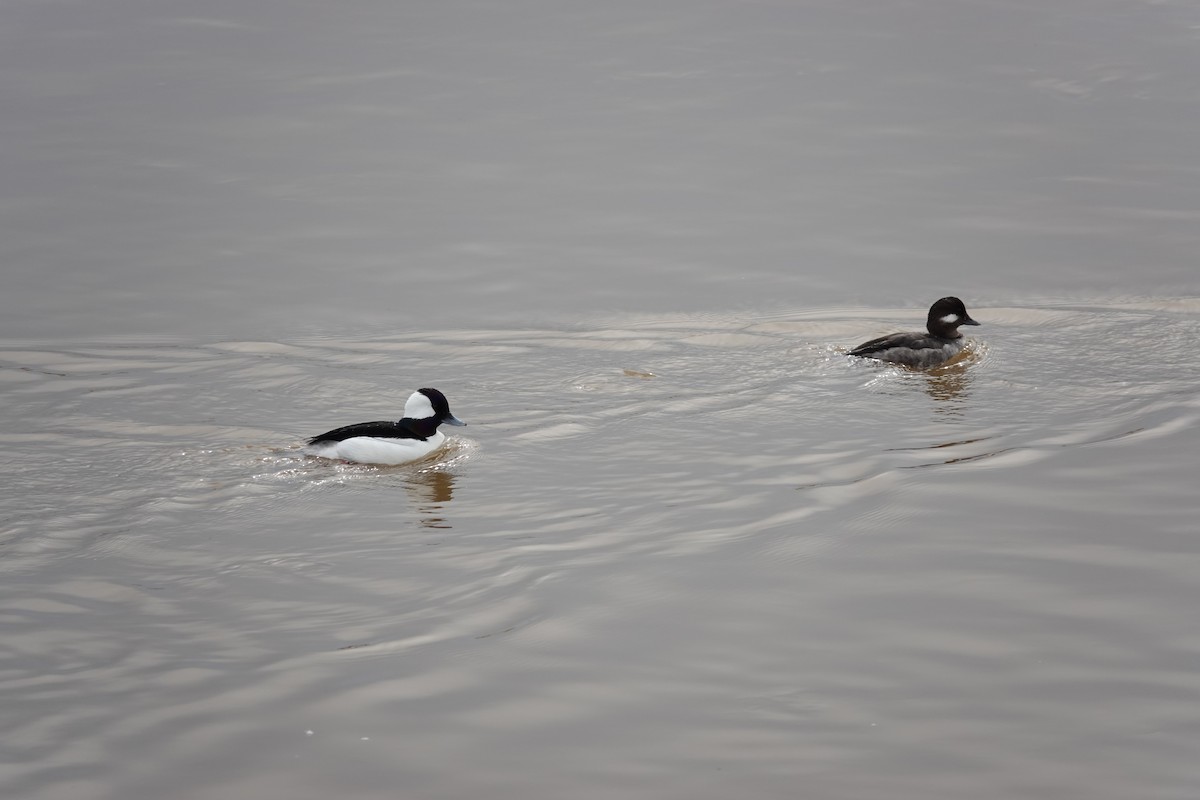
<point>914,341</point>
<point>404,429</point>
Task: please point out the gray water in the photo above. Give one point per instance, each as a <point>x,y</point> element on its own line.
<point>685,548</point>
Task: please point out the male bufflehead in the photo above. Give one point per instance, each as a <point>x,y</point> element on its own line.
<point>413,437</point>
<point>939,345</point>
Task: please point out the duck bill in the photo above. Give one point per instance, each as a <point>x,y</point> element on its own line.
<point>450,419</point>
<point>968,321</point>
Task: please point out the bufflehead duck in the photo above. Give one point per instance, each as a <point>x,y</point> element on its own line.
<point>916,349</point>
<point>415,436</point>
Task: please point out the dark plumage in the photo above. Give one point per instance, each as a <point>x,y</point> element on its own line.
<point>941,342</point>
<point>403,429</point>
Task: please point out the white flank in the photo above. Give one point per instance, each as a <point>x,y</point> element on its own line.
<point>369,450</point>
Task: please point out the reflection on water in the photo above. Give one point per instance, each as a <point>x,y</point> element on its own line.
<point>431,490</point>
<point>949,384</point>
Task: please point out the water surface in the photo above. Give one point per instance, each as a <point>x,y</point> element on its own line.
<point>686,548</point>
<point>673,557</point>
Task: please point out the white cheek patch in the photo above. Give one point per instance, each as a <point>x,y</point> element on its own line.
<point>418,407</point>
<point>950,319</point>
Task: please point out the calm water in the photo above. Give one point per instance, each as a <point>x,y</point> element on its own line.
<point>685,548</point>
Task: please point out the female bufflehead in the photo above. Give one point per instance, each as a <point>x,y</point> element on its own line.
<point>413,437</point>
<point>939,345</point>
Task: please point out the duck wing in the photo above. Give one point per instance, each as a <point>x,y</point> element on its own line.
<point>375,430</point>
<point>888,342</point>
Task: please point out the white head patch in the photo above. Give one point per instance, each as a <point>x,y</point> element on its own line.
<point>950,319</point>
<point>418,407</point>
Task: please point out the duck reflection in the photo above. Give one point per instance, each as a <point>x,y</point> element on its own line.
<point>431,491</point>
<point>949,386</point>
